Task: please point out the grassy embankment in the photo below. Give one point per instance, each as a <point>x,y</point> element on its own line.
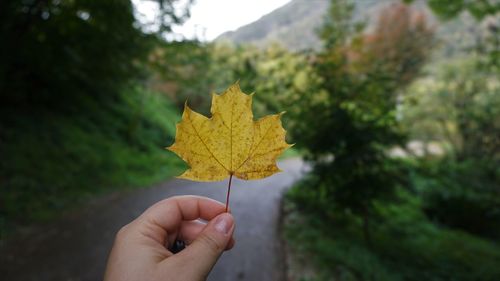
<point>60,161</point>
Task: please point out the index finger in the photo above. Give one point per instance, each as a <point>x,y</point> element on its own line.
<point>169,213</point>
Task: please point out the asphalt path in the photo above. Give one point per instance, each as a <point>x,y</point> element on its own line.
<point>76,247</point>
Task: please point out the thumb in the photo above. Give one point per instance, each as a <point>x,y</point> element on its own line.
<point>202,254</point>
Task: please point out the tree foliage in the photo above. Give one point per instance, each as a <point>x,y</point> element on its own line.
<point>192,70</point>
<point>58,53</point>
<point>183,71</point>
<point>73,103</point>
<point>462,101</point>
<point>448,9</point>
<point>362,75</point>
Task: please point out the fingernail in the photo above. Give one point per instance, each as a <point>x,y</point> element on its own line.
<point>224,223</point>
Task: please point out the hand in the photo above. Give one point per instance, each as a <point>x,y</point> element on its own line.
<point>140,251</point>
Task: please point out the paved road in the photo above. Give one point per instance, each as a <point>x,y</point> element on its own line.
<point>76,247</point>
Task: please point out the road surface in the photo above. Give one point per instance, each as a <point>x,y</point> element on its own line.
<point>76,247</point>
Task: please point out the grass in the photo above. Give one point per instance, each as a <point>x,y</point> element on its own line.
<point>60,161</point>
<point>406,246</point>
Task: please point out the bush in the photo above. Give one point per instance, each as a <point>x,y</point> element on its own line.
<point>461,195</point>
<point>406,246</point>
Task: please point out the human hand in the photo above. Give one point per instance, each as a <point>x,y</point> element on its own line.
<point>140,251</point>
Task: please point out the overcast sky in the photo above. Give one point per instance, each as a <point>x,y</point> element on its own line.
<point>210,18</point>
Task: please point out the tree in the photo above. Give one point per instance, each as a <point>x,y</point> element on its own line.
<point>354,117</point>
<point>56,54</point>
<point>461,100</point>
<point>182,71</point>
<point>447,9</point>
<point>73,103</point>
<point>278,76</point>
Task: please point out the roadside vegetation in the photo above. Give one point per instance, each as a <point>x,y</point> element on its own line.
<point>366,214</point>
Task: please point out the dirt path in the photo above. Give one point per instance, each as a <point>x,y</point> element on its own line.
<point>76,247</point>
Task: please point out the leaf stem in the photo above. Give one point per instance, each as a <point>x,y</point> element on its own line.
<point>228,191</point>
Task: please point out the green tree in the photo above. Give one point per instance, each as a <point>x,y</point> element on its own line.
<point>182,71</point>
<point>354,117</point>
<point>58,53</point>
<point>457,106</point>
<point>462,100</point>
<point>447,9</point>
<point>278,76</point>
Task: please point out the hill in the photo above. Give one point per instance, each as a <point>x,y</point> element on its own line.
<point>294,24</point>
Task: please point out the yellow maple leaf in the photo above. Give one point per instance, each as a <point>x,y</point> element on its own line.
<point>230,143</point>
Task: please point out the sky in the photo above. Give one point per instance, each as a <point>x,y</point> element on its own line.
<point>210,18</point>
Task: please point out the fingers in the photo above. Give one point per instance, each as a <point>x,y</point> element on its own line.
<point>202,254</point>
<point>167,215</point>
<point>173,218</point>
<point>190,230</point>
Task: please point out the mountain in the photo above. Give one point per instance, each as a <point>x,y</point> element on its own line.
<point>293,25</point>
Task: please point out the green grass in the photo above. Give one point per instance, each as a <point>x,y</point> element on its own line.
<point>53,162</point>
<point>406,246</point>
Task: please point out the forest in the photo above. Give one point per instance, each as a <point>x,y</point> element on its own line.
<point>398,119</point>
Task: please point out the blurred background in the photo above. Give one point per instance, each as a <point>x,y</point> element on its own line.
<point>393,105</point>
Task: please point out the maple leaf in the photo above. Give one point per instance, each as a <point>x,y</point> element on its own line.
<point>230,142</point>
